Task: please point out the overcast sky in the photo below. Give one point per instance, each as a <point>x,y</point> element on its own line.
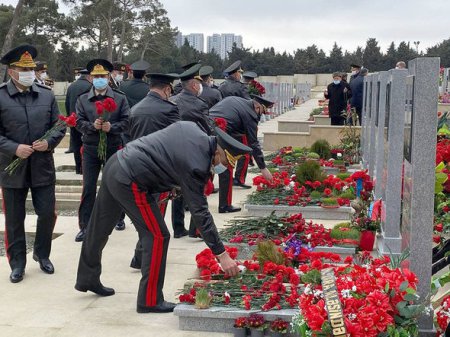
<point>290,24</point>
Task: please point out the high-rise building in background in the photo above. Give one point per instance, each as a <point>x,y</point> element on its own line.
<point>221,44</point>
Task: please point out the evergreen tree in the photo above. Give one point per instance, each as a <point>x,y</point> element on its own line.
<point>372,58</point>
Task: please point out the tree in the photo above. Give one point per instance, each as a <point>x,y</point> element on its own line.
<point>336,59</point>
<point>390,58</point>
<point>441,50</point>
<point>372,55</point>
<point>405,52</point>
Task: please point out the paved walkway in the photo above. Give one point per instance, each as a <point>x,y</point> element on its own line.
<point>48,305</point>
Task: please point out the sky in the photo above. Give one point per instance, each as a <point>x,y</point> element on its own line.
<point>290,24</point>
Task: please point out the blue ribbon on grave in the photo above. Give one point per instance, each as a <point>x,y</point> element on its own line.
<point>359,187</point>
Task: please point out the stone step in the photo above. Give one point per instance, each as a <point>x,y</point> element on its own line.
<point>62,205</point>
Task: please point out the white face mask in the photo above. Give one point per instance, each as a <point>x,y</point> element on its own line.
<point>43,76</point>
<point>77,77</point>
<point>219,168</point>
<point>354,72</point>
<point>119,78</point>
<point>200,91</point>
<point>26,78</point>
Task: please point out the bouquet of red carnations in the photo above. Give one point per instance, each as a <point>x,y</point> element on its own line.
<point>104,109</point>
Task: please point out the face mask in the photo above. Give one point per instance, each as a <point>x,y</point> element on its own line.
<point>44,76</point>
<point>397,68</point>
<point>354,72</point>
<point>26,78</point>
<point>220,168</point>
<point>77,77</point>
<point>200,91</point>
<point>100,83</point>
<point>119,78</point>
<point>336,81</point>
<point>210,84</point>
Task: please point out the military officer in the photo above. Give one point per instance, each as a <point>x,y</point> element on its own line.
<point>27,111</point>
<point>242,117</point>
<point>194,109</point>
<point>41,72</point>
<point>117,74</point>
<point>177,89</point>
<point>248,76</point>
<point>136,88</point>
<point>179,156</point>
<point>232,86</point>
<point>210,95</point>
<point>89,124</point>
<point>80,86</point>
<point>155,112</point>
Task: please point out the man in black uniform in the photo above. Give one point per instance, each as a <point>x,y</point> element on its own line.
<point>180,156</point>
<point>117,74</point>
<point>136,89</point>
<point>155,112</point>
<point>194,109</point>
<point>80,86</point>
<point>177,89</point>
<point>27,111</point>
<point>89,123</point>
<point>242,117</point>
<point>210,95</point>
<point>233,86</point>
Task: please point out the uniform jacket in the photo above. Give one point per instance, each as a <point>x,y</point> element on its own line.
<point>24,118</point>
<point>357,87</point>
<point>87,114</point>
<point>152,114</point>
<point>192,108</point>
<point>135,90</point>
<point>210,95</point>
<point>74,90</point>
<point>113,84</point>
<point>180,156</point>
<point>231,87</point>
<point>338,99</point>
<point>241,120</point>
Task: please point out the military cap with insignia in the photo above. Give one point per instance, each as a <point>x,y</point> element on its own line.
<point>21,56</point>
<point>263,101</point>
<point>140,65</point>
<point>119,66</point>
<point>236,66</point>
<point>206,71</point>
<point>84,71</point>
<point>233,149</point>
<point>355,66</point>
<point>77,70</point>
<point>250,75</point>
<point>191,73</point>
<point>40,65</point>
<point>99,67</point>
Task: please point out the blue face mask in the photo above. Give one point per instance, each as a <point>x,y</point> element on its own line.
<point>100,83</point>
<point>220,168</point>
<point>336,82</point>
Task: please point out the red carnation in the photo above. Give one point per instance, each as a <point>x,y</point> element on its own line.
<point>99,107</point>
<point>221,123</point>
<point>209,188</point>
<point>109,104</point>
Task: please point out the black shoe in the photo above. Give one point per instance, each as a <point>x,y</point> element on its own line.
<point>215,190</point>
<point>120,225</point>
<point>181,234</point>
<point>238,183</point>
<point>98,289</point>
<point>16,275</point>
<point>68,151</point>
<point>161,308</point>
<point>80,236</point>
<point>135,263</point>
<point>45,264</point>
<point>229,209</point>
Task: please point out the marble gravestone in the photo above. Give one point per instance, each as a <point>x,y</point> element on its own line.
<point>373,114</point>
<point>389,168</point>
<point>367,94</point>
<point>419,173</point>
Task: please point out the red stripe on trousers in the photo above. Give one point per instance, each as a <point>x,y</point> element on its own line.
<point>230,185</point>
<point>6,230</point>
<point>163,204</point>
<point>246,161</point>
<point>158,240</point>
<point>150,295</point>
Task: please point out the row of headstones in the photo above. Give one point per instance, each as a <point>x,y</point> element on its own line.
<point>285,95</point>
<point>398,142</point>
